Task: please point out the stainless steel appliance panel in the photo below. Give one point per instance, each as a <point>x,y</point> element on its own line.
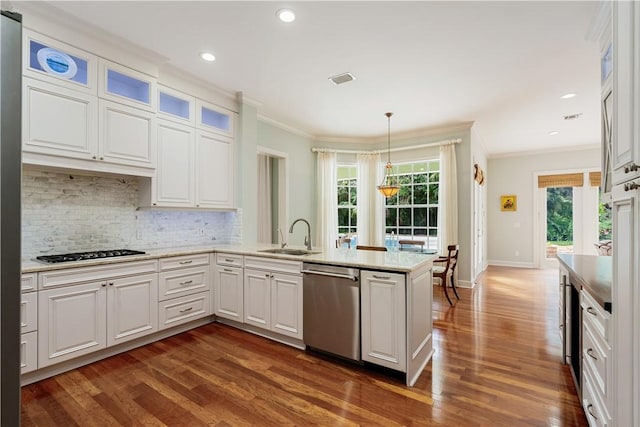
<point>331,309</point>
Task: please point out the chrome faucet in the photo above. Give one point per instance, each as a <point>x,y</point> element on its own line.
<point>307,238</point>
<point>282,242</point>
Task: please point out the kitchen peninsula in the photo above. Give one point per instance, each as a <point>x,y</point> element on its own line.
<point>585,325</point>
<point>89,310</point>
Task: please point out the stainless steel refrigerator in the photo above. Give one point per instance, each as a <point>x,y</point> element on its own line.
<point>10,200</point>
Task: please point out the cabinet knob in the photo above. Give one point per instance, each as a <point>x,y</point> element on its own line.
<point>101,158</point>
<point>103,285</point>
<point>110,283</point>
<point>630,168</point>
<point>630,186</point>
<point>93,157</point>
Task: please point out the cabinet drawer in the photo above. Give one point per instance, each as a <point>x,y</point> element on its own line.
<point>28,352</point>
<point>595,315</point>
<point>594,409</point>
<point>183,282</point>
<point>232,260</point>
<point>184,309</point>
<point>29,282</point>
<point>73,276</point>
<point>273,264</point>
<point>28,312</point>
<point>184,261</point>
<point>595,354</point>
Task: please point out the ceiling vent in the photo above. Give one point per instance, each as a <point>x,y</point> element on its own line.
<point>342,78</point>
<point>572,116</point>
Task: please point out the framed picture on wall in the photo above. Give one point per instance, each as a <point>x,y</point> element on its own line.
<point>508,203</point>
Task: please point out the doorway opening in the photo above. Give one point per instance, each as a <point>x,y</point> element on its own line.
<point>559,223</point>
<point>273,186</point>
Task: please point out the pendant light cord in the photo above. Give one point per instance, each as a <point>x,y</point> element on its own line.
<point>388,136</point>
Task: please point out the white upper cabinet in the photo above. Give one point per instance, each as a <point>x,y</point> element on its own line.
<point>58,63</point>
<point>58,121</point>
<point>213,118</point>
<point>175,105</point>
<point>124,85</point>
<point>127,135</point>
<point>174,181</point>
<point>214,171</point>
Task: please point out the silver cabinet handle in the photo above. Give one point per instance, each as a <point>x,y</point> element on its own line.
<point>186,309</point>
<point>589,406</point>
<point>630,168</point>
<point>591,311</point>
<point>382,277</point>
<point>228,260</point>
<point>227,270</point>
<point>630,186</point>
<point>188,282</point>
<point>186,262</point>
<point>590,353</point>
<point>267,275</point>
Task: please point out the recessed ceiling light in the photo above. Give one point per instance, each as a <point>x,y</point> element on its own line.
<point>286,15</point>
<point>208,56</point>
<point>553,132</point>
<point>568,95</point>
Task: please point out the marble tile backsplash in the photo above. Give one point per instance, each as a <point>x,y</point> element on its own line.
<point>67,212</point>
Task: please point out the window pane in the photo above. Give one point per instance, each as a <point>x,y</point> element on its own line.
<point>391,216</point>
<point>353,199</point>
<point>404,216</point>
<point>434,166</point>
<point>391,230</point>
<point>343,230</point>
<point>434,177</point>
<point>419,217</point>
<point>420,232</point>
<point>354,217</point>
<point>405,168</point>
<point>420,194</point>
<point>433,217</point>
<point>420,167</point>
<point>433,194</point>
<point>404,179</point>
<point>404,195</point>
<point>392,201</point>
<point>433,232</point>
<point>343,196</point>
<point>420,178</point>
<point>343,217</point>
<point>404,231</point>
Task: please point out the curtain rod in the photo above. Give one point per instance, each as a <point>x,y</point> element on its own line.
<point>393,150</point>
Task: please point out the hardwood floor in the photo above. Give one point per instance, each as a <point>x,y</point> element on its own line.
<point>496,363</point>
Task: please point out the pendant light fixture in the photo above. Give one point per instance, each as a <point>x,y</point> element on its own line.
<point>386,187</point>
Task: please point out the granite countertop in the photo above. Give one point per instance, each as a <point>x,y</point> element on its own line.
<point>594,273</point>
<point>398,261</point>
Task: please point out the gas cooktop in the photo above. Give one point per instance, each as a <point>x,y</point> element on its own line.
<point>81,256</point>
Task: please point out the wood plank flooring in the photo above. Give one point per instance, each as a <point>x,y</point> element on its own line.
<point>496,363</point>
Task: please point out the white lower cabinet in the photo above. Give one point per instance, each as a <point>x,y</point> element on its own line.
<point>82,310</point>
<point>383,311</point>
<point>228,292</point>
<point>28,324</point>
<point>185,289</point>
<point>273,295</point>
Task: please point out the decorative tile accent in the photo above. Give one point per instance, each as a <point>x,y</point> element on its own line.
<point>67,212</point>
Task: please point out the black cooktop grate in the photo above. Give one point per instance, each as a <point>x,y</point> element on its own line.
<point>81,256</point>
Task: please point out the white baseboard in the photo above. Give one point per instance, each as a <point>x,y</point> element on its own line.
<point>499,263</point>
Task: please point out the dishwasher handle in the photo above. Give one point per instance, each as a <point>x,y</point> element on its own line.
<point>324,273</point>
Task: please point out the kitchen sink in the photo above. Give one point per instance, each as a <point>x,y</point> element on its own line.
<point>289,251</point>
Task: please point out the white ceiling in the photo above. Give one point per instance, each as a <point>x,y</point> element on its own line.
<point>501,64</point>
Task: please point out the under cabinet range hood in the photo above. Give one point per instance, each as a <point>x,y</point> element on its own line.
<point>84,256</point>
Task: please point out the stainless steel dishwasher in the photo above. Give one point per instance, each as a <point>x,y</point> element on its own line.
<point>331,309</point>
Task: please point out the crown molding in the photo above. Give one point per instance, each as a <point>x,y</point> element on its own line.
<point>283,126</point>
<point>544,151</point>
<point>244,99</point>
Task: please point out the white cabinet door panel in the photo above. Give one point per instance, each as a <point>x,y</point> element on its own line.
<point>28,352</point>
<point>127,135</point>
<point>286,305</point>
<point>214,185</point>
<point>257,298</point>
<point>72,322</point>
<point>228,293</point>
<point>132,308</point>
<point>175,173</point>
<point>58,121</point>
<point>28,312</point>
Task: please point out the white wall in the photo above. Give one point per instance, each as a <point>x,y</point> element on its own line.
<point>508,232</point>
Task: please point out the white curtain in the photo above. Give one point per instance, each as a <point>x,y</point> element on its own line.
<point>448,198</point>
<point>264,199</point>
<point>370,201</point>
<point>327,192</point>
